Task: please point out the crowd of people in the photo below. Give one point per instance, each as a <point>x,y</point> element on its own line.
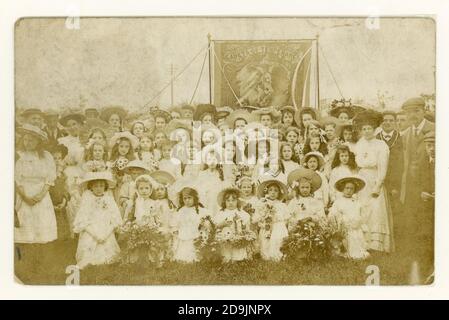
<point>82,175</point>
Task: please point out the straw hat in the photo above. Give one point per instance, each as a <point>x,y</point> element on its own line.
<point>107,112</point>
<point>202,109</point>
<point>32,111</point>
<point>124,134</point>
<point>222,193</point>
<point>157,112</point>
<point>163,177</point>
<point>33,130</point>
<point>296,175</point>
<point>178,124</point>
<point>290,109</point>
<point>413,103</point>
<point>262,189</point>
<point>240,114</point>
<point>136,164</point>
<point>357,181</point>
<point>275,114</point>
<point>72,116</point>
<point>100,175</point>
<point>316,154</point>
<point>223,112</point>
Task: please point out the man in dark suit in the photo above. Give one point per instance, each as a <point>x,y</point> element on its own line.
<point>414,148</point>
<point>51,127</point>
<point>426,215</point>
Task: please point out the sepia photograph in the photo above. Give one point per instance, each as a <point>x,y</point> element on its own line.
<point>224,150</point>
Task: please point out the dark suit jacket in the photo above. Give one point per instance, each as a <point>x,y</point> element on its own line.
<point>393,179</point>
<point>414,147</point>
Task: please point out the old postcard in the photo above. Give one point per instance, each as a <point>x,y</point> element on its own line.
<point>224,150</point>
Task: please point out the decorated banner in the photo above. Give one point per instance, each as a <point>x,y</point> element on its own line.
<point>263,73</point>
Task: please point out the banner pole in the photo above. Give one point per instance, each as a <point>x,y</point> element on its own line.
<point>317,72</point>
<point>210,71</point>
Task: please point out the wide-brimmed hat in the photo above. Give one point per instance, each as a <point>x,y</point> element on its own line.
<point>223,112</point>
<point>98,175</point>
<point>177,124</point>
<point>33,130</point>
<point>202,109</point>
<point>275,114</point>
<point>333,121</point>
<point>93,110</point>
<point>300,112</point>
<point>78,117</point>
<point>413,103</point>
<point>124,134</point>
<point>316,154</point>
<point>107,112</point>
<point>96,123</point>
<point>157,112</point>
<point>31,111</point>
<point>369,117</point>
<point>163,177</point>
<point>240,114</point>
<point>262,189</point>
<point>312,176</point>
<point>222,193</point>
<point>136,164</point>
<point>358,182</point>
<point>335,111</point>
<point>290,109</point>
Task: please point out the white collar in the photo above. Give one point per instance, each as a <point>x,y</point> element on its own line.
<point>387,134</point>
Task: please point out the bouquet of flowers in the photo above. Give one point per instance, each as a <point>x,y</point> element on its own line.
<point>267,213</point>
<point>206,244</point>
<point>95,166</point>
<point>141,242</point>
<point>312,239</point>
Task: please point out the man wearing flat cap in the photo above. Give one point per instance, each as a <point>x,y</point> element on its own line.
<point>414,148</point>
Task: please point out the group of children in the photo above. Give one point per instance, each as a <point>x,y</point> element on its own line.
<point>143,175</point>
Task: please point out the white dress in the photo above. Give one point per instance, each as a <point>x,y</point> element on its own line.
<point>323,192</point>
<point>145,211</point>
<point>301,208</point>
<point>186,223</point>
<point>372,159</point>
<point>98,217</point>
<point>74,173</point>
<point>270,243</point>
<point>225,219</point>
<point>38,222</point>
<point>290,166</point>
<point>208,185</point>
<point>348,211</point>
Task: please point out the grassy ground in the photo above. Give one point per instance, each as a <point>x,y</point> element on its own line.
<point>394,268</point>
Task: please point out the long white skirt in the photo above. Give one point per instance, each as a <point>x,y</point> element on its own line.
<point>378,214</point>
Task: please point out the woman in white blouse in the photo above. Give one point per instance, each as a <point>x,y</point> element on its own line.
<point>372,159</point>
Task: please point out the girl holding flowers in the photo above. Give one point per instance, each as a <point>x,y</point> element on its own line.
<point>233,226</point>
<point>272,216</point>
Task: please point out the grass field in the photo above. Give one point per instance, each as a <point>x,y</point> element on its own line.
<point>394,269</point>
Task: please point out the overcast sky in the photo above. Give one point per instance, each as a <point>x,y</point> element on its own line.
<point>126,61</point>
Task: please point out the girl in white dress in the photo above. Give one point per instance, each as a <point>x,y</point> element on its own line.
<point>315,161</point>
<point>272,216</point>
<point>145,152</point>
<point>168,163</point>
<point>144,206</point>
<point>96,221</point>
<point>95,158</point>
<point>210,180</point>
<point>249,203</point>
<point>231,218</point>
<point>343,165</point>
<point>372,157</point>
<point>304,182</point>
<point>186,224</point>
<point>348,210</point>
<point>72,124</point>
<point>286,154</point>
<point>35,172</point>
